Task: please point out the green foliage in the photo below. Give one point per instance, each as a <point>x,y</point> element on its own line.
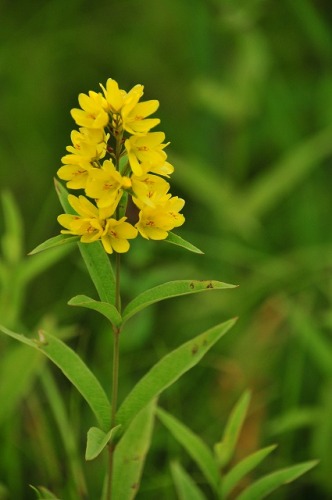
<point>185,487</point>
<point>104,308</point>
<point>73,368</point>
<point>168,370</point>
<point>43,493</point>
<point>246,98</point>
<point>196,448</point>
<point>213,467</point>
<point>224,450</point>
<point>130,454</point>
<point>267,484</point>
<point>181,242</point>
<point>56,241</point>
<point>97,440</point>
<point>169,290</point>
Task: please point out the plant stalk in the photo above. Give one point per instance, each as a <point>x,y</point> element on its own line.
<point>115,375</point>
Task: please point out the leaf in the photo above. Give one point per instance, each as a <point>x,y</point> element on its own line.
<point>177,240</point>
<point>264,486</point>
<point>100,270</point>
<point>104,308</point>
<point>12,237</point>
<point>96,259</point>
<point>169,290</point>
<point>97,440</point>
<point>74,369</point>
<point>14,386</point>
<point>56,241</point>
<point>185,487</point>
<point>234,476</point>
<point>193,444</point>
<point>130,453</point>
<point>225,448</point>
<point>57,404</point>
<point>43,493</point>
<point>168,370</point>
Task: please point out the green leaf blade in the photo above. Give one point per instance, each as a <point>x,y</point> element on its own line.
<point>130,453</point>
<point>194,445</point>
<point>14,387</point>
<point>185,487</point>
<point>267,484</point>
<point>242,468</point>
<point>55,241</point>
<point>177,240</point>
<point>106,309</point>
<point>225,448</point>
<point>168,370</point>
<point>96,259</point>
<point>169,290</point>
<point>97,440</point>
<point>74,369</point>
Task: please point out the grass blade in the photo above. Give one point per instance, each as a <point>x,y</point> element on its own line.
<point>225,448</point>
<point>264,486</point>
<point>193,444</point>
<point>241,469</point>
<point>185,487</point>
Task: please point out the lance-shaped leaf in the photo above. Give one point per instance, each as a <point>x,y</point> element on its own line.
<point>96,259</point>
<point>56,241</point>
<point>74,369</point>
<point>264,486</point>
<point>97,440</point>
<point>108,310</point>
<point>168,370</point>
<point>177,240</point>
<point>225,448</point>
<point>185,487</point>
<point>14,386</point>
<point>130,453</point>
<point>241,469</point>
<point>194,445</point>
<point>43,493</point>
<point>169,290</point>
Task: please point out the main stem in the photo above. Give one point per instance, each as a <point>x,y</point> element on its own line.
<point>116,345</point>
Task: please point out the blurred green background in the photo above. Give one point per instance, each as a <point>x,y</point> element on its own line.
<point>245,91</point>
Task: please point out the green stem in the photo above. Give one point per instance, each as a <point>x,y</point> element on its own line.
<point>116,331</point>
<point>115,378</point>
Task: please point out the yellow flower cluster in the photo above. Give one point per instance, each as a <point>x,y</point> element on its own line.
<point>114,156</point>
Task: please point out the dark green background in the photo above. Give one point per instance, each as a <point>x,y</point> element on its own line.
<point>245,91</point>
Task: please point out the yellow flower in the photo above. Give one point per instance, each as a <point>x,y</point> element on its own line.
<point>89,145</point>
<point>134,117</point>
<point>75,175</point>
<point>92,114</point>
<point>106,185</point>
<point>116,234</point>
<point>89,223</point>
<point>150,189</point>
<point>116,98</point>
<point>166,169</point>
<point>146,152</point>
<point>155,222</point>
